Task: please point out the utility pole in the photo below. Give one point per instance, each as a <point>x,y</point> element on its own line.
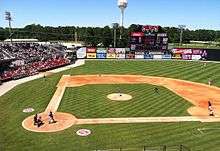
<point>115,26</point>
<point>115,37</point>
<point>182,27</point>
<point>9,19</point>
<point>76,37</point>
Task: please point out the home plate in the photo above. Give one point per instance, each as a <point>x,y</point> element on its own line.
<point>83,132</point>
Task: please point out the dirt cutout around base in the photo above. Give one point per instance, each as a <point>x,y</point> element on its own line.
<point>119,97</point>
<point>196,93</point>
<point>62,122</point>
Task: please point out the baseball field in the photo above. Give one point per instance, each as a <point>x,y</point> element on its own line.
<point>176,114</point>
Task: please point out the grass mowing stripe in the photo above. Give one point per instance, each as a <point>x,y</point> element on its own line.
<point>37,94</point>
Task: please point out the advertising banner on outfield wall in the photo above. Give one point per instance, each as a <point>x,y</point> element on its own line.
<point>157,56</point>
<point>111,56</point>
<point>91,50</point>
<point>177,56</point>
<point>139,53</point>
<point>101,50</point>
<point>111,50</point>
<point>196,57</point>
<point>119,50</point>
<point>167,56</point>
<point>139,56</point>
<point>81,53</point>
<point>187,51</point>
<point>120,56</point>
<point>148,56</point>
<point>177,50</point>
<point>194,53</point>
<point>101,55</point>
<point>130,56</point>
<point>197,51</point>
<point>91,55</point>
<point>186,57</point>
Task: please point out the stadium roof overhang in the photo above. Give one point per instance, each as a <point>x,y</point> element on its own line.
<point>21,40</point>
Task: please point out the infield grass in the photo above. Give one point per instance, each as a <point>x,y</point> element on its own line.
<point>91,101</point>
<point>38,93</point>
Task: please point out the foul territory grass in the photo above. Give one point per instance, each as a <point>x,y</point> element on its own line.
<point>38,93</point>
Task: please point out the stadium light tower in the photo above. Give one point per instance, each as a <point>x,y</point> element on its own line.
<point>122,4</point>
<point>9,19</point>
<point>182,27</point>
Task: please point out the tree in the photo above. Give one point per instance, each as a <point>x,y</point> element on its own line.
<point>107,36</point>
<point>96,35</point>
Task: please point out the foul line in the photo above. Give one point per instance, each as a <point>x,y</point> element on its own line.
<point>144,120</point>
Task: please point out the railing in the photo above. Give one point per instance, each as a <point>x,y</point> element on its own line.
<point>151,148</point>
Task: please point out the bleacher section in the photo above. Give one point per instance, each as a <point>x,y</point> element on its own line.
<point>26,59</point>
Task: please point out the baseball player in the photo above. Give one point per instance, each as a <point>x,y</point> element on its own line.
<point>210,108</point>
<point>51,117</point>
<point>156,90</point>
<point>35,119</point>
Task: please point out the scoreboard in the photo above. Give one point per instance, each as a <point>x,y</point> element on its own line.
<point>149,38</point>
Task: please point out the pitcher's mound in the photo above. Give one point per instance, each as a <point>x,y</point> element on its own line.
<point>119,97</point>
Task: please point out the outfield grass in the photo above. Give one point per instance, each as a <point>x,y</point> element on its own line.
<point>38,93</point>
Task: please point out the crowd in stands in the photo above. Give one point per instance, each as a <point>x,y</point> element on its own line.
<point>30,59</point>
<point>1,56</point>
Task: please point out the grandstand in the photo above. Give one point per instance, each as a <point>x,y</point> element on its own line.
<point>4,55</point>
<point>26,59</point>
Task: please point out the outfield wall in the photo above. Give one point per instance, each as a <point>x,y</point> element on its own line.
<point>127,53</point>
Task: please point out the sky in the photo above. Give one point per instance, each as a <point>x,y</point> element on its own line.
<point>195,14</point>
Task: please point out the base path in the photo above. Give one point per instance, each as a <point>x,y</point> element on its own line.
<point>146,120</point>
<point>196,93</point>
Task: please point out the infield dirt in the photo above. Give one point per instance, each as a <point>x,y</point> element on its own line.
<point>196,93</point>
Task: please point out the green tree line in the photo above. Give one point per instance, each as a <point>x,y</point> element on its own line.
<point>99,35</point>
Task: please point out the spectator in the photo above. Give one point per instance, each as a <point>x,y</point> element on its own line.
<point>35,58</point>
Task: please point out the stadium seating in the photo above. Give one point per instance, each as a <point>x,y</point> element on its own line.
<point>30,59</point>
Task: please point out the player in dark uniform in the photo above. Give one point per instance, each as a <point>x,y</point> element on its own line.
<point>119,92</point>
<point>210,81</point>
<point>35,119</point>
<point>209,103</point>
<point>210,108</point>
<point>211,113</point>
<point>51,118</point>
<point>39,122</point>
<point>156,90</point>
